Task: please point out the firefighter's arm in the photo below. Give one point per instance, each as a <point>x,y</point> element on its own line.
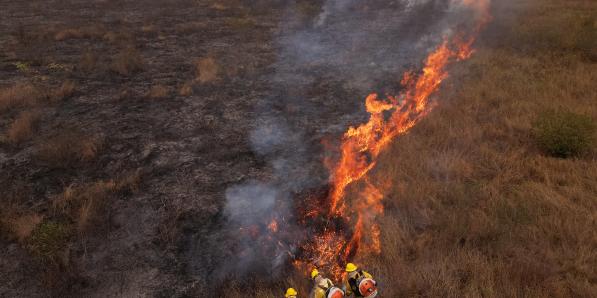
<point>347,288</point>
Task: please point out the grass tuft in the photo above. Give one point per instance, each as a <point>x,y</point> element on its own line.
<point>207,70</point>
<point>23,127</point>
<point>158,91</point>
<point>127,62</point>
<point>69,149</point>
<point>48,241</point>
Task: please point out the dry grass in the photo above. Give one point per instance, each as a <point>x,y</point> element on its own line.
<point>244,22</point>
<point>23,127</point>
<point>207,70</point>
<point>19,95</point>
<point>158,91</point>
<point>186,89</point>
<point>127,62</point>
<point>87,205</point>
<point>65,90</point>
<point>25,94</point>
<point>79,33</point>
<point>88,62</point>
<point>475,209</point>
<point>23,226</point>
<point>69,148</point>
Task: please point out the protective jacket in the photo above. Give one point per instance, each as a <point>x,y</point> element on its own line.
<point>351,282</point>
<point>321,286</point>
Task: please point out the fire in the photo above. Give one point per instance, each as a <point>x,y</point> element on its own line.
<point>389,118</point>
<point>273,226</point>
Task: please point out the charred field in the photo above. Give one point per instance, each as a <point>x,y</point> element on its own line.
<point>192,148</point>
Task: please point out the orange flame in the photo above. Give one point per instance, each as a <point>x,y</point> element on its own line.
<point>362,145</point>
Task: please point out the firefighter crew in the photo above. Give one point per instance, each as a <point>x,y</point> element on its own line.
<point>324,287</point>
<point>291,293</point>
<point>359,282</point>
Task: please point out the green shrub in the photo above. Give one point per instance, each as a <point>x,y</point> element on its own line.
<point>48,241</point>
<point>564,134</point>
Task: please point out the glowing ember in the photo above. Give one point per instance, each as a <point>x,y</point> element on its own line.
<point>333,246</point>
<point>273,226</point>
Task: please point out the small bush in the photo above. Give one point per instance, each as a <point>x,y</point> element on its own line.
<point>22,128</point>
<point>126,62</point>
<point>48,241</point>
<point>564,134</point>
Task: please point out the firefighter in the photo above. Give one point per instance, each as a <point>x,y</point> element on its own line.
<point>291,293</point>
<point>324,287</point>
<point>359,282</point>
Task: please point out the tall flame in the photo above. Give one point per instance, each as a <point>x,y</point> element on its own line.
<point>361,146</point>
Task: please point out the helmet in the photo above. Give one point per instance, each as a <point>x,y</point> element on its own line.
<point>314,273</point>
<point>291,292</point>
<point>368,287</point>
<point>350,267</point>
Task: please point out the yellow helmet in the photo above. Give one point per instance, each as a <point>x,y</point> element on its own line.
<point>291,292</point>
<point>350,267</point>
<point>314,273</point>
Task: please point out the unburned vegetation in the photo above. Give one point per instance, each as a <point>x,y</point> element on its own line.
<point>481,204</point>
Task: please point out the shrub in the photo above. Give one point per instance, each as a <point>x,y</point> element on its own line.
<point>48,241</point>
<point>564,134</point>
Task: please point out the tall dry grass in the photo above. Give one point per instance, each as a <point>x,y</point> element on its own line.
<point>475,208</point>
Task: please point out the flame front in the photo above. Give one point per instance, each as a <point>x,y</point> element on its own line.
<point>361,146</point>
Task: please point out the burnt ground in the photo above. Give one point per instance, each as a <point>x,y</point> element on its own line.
<point>166,238</point>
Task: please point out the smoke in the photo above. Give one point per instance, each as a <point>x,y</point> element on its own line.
<point>327,64</point>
